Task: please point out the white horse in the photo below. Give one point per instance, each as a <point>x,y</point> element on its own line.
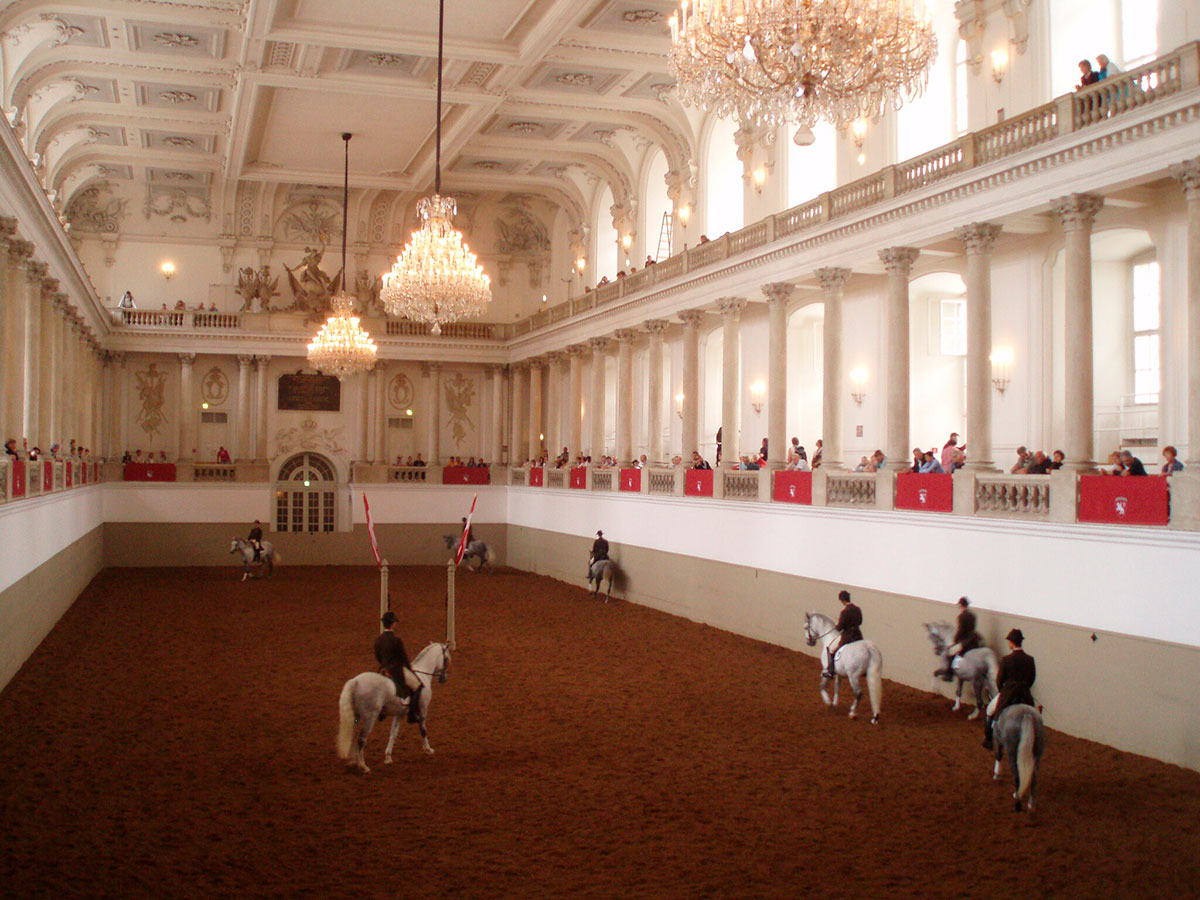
<point>979,667</point>
<point>852,661</point>
<point>368,697</point>
<point>269,558</point>
<point>602,570</point>
<point>477,549</point>
<point>1019,732</point>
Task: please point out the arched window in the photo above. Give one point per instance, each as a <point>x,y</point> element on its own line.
<point>305,499</point>
<point>656,205</point>
<point>606,237</point>
<point>724,201</point>
<point>812,170</point>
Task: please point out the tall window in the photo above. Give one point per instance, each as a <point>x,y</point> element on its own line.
<point>724,199</point>
<point>930,120</point>
<point>1146,378</point>
<point>655,205</point>
<point>606,237</point>
<point>1139,31</point>
<point>812,170</point>
<point>953,327</point>
<point>305,499</point>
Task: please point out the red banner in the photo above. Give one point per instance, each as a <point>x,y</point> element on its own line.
<point>465,475</point>
<point>68,471</point>
<point>631,480</point>
<point>149,471</point>
<point>931,492</point>
<point>83,473</point>
<point>537,477</point>
<point>47,476</point>
<point>579,477</point>
<point>18,480</point>
<point>1124,500</point>
<point>793,487</point>
<point>699,483</point>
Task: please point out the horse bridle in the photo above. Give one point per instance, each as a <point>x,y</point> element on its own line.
<point>439,673</point>
<point>816,637</point>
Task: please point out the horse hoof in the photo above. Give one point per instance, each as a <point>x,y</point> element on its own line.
<point>874,720</point>
<point>429,751</point>
<point>853,715</point>
<point>973,716</point>
<point>387,760</point>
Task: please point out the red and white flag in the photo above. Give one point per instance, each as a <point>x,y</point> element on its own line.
<point>462,543</point>
<point>371,531</point>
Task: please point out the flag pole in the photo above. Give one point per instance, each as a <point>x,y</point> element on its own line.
<point>450,567</point>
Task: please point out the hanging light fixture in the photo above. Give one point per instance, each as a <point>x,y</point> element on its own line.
<point>341,347</point>
<point>768,62</point>
<point>436,278</point>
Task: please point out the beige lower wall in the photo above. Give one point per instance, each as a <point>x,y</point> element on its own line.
<point>32,605</point>
<point>207,544</point>
<point>1130,693</point>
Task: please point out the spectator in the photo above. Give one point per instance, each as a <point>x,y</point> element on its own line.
<point>704,239</point>
<point>1057,459</point>
<point>127,301</point>
<point>918,459</point>
<point>1022,462</point>
<point>698,461</point>
<point>762,451</point>
<point>876,462</point>
<point>719,429</point>
<point>1133,465</point>
<point>650,260</point>
<point>212,307</point>
<point>603,280</point>
<point>418,461</point>
<point>816,460</point>
<point>862,465</point>
<point>1038,465</point>
<point>958,461</point>
<point>126,458</point>
<point>180,305</point>
<point>948,450</point>
<point>1172,464</point>
<point>162,455</point>
<point>1107,67</point>
<point>36,453</point>
<point>53,451</point>
<point>676,462</point>
<point>1089,77</point>
<point>932,464</point>
<point>1115,466</point>
<point>10,448</point>
<point>223,455</point>
<point>137,455</point>
<point>749,464</point>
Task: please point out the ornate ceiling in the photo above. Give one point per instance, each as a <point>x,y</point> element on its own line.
<point>201,103</point>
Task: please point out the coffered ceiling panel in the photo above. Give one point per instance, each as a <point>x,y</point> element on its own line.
<point>176,40</point>
<point>493,20</point>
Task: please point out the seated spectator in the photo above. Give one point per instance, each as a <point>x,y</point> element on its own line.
<point>698,461</point>
<point>641,462</point>
<point>799,463</point>
<point>1088,76</point>
<point>1133,465</point>
<point>180,305</point>
<point>418,461</point>
<point>212,307</point>
<point>10,448</point>
<point>1038,465</point>
<point>137,455</point>
<point>676,462</point>
<point>748,464</point>
<point>1115,466</point>
<point>126,458</point>
<point>1057,459</point>
<point>932,464</point>
<point>1172,464</point>
<point>162,455</point>
<point>650,260</point>
<point>604,280</point>
<point>862,464</point>
<point>959,460</point>
<point>948,449</point>
<point>704,239</point>
<point>621,274</point>
<point>223,455</point>
<point>53,451</point>
<point>1023,459</point>
<point>918,459</point>
<point>876,462</point>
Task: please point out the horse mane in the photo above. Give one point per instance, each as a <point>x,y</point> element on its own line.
<point>425,651</point>
<point>815,617</point>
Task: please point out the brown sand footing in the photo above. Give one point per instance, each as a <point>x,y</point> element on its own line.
<point>173,738</point>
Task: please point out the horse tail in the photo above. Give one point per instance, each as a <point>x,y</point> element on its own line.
<point>875,680</point>
<point>1026,764</point>
<point>276,557</point>
<point>346,724</point>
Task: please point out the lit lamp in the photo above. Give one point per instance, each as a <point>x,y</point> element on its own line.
<point>1002,358</point>
<point>999,65</point>
<point>758,390</point>
<point>168,269</point>
<point>580,265</point>
<point>759,178</point>
<point>684,212</point>
<point>679,404</point>
<point>858,378</point>
<point>858,131</point>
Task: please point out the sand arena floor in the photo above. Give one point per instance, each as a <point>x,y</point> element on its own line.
<point>173,738</point>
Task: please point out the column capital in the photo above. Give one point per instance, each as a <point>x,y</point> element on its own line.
<point>262,361</point>
<point>832,278</point>
<point>731,307</point>
<point>656,326</point>
<point>519,366</point>
<point>778,291</point>
<point>435,367</point>
<point>556,356</point>
<point>8,228</point>
<point>19,251</point>
<point>576,349</point>
<point>36,270</point>
<point>598,344</point>
<point>1077,211</point>
<point>625,335</point>
<point>898,260</point>
<point>691,317</point>
<point>1187,173</point>
<point>536,362</point>
<point>978,237</point>
<point>186,359</point>
<point>244,360</point>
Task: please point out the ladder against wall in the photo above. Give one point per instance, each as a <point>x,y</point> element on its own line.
<point>664,238</point>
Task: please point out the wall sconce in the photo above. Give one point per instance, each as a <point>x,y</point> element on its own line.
<point>679,405</point>
<point>999,65</point>
<point>858,131</point>
<point>684,212</point>
<point>541,437</point>
<point>858,378</point>
<point>168,269</point>
<point>1002,358</point>
<point>627,241</point>
<point>408,412</point>
<point>759,178</point>
<point>580,265</point>
<point>757,391</point>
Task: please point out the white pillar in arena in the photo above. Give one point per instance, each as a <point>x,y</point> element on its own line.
<point>243,409</point>
<point>654,399</point>
<point>832,281</point>
<point>691,319</point>
<point>898,262</point>
<point>187,411</point>
<point>731,372</point>
<point>599,347</point>
<point>625,338</point>
<point>575,399</point>
<point>978,238</point>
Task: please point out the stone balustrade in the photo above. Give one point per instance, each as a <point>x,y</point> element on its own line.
<point>850,489</point>
<point>740,485</point>
<point>602,479</point>
<point>31,482</point>
<point>1014,496</point>
<point>556,478</point>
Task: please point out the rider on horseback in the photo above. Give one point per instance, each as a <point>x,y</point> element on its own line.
<point>849,624</point>
<point>1015,678</point>
<point>966,639</point>
<point>393,662</point>
<point>255,539</point>
<point>599,551</point>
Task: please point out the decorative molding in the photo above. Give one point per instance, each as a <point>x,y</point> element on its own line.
<point>214,387</point>
<point>176,203</point>
<point>151,385</point>
<point>1077,211</point>
<point>978,237</point>
<point>460,394</point>
<point>308,436</point>
<point>898,260</point>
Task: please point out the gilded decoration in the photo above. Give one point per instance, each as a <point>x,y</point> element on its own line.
<point>311,287</point>
<point>151,388</point>
<point>214,388</point>
<point>400,392</point>
<point>460,394</point>
<point>308,436</point>
<point>258,286</point>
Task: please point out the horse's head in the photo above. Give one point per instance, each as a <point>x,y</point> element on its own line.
<point>939,634</point>
<point>810,634</point>
<point>449,539</point>
<point>233,546</point>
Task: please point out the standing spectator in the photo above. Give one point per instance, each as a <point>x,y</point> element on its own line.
<point>1115,466</point>
<point>762,451</point>
<point>1089,77</point>
<point>1107,69</point>
<point>1039,465</point>
<point>816,460</point>
<point>959,460</point>
<point>1133,465</point>
<point>918,459</point>
<point>127,301</point>
<point>10,447</point>
<point>223,455</point>
<point>877,462</point>
<point>1057,459</point>
<point>948,450</point>
<point>719,444</point>
<point>1022,462</point>
<point>1172,464</point>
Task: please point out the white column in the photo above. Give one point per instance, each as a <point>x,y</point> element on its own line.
<point>978,238</point>
<point>24,294</point>
<point>366,414</point>
<point>777,293</point>
<point>262,364</point>
<point>124,405</point>
<point>187,411</point>
<point>731,378</point>
<point>832,280</point>
<point>535,424</point>
<point>599,347</point>
<point>625,338</point>
<point>494,451</point>
<point>435,414</point>
<point>242,447</point>
<point>654,402</point>
<point>66,398</point>
<point>575,399</point>
<point>1188,174</point>
<point>518,450</point>
<point>691,319</point>
<point>381,413</point>
<point>554,400</point>
<point>12,339</point>
<point>898,262</point>
<point>1077,213</point>
<point>110,444</point>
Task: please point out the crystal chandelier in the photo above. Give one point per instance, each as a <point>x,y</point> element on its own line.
<point>768,62</point>
<point>436,279</point>
<point>341,347</point>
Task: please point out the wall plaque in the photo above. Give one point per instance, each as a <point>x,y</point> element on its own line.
<point>317,393</point>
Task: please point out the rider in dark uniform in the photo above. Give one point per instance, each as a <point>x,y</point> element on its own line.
<point>966,638</point>
<point>393,662</point>
<point>599,551</point>
<point>849,624</point>
<point>255,539</point>
<point>1015,678</point>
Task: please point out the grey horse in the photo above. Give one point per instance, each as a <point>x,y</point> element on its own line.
<point>978,667</point>
<point>602,570</point>
<point>476,549</point>
<point>1018,731</point>
<point>269,558</point>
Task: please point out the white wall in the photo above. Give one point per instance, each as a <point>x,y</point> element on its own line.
<point>35,530</point>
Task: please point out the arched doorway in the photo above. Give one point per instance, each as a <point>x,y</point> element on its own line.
<point>305,495</point>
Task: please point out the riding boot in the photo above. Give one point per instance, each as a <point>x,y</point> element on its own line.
<point>414,705</point>
<point>987,733</point>
<point>947,674</point>
<point>829,670</point>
